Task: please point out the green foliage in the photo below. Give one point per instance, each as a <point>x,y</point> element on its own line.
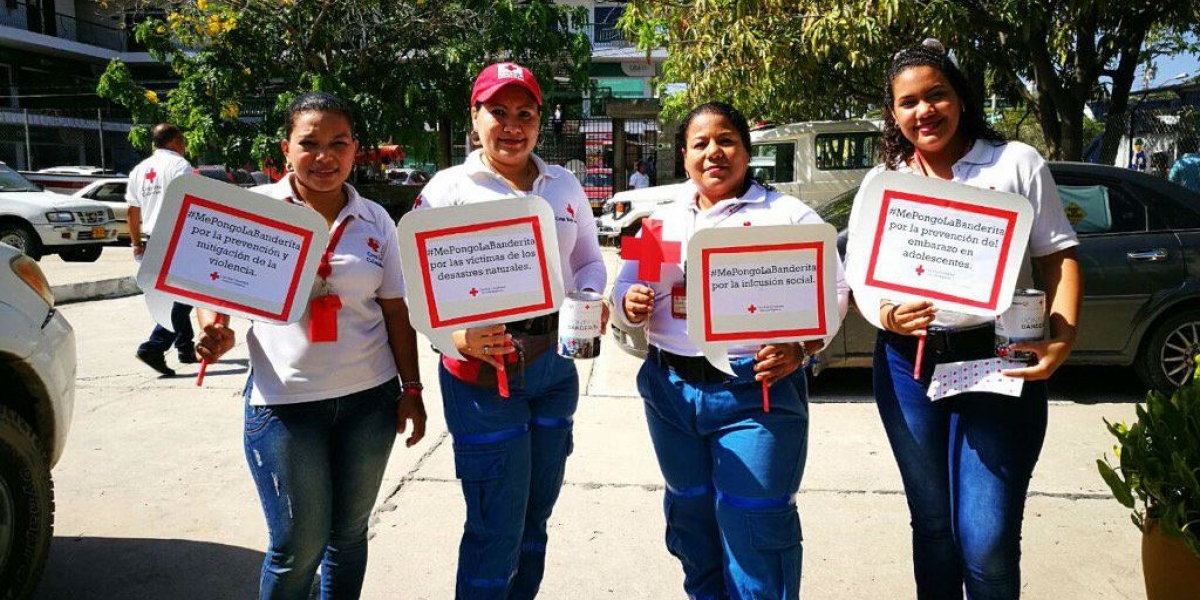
<point>789,60</point>
<point>1159,463</point>
<point>404,66</point>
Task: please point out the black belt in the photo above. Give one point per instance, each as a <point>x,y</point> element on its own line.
<point>965,344</point>
<point>693,369</point>
<point>542,325</point>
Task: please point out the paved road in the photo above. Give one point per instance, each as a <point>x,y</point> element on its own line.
<point>155,501</point>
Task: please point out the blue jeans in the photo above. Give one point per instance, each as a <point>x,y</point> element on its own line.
<point>732,472</point>
<point>966,462</point>
<point>510,455</point>
<point>318,467</point>
<point>161,339</point>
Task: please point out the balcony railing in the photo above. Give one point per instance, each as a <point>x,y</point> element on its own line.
<point>604,35</point>
<point>20,15</point>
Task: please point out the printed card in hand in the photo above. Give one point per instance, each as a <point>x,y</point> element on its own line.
<point>950,379</point>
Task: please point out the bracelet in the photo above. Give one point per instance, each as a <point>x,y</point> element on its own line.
<point>411,388</point>
<point>889,319</point>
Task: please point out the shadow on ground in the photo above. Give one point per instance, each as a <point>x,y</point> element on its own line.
<point>135,569</point>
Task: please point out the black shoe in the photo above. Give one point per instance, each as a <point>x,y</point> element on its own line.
<point>155,361</point>
<point>187,356</point>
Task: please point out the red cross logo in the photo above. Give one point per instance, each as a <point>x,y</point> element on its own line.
<point>474,292</point>
<point>752,309</point>
<point>214,276</point>
<point>151,174</point>
<point>418,201</point>
<point>571,211</point>
<point>650,250</point>
<point>587,307</point>
<point>373,244</point>
<point>920,270</point>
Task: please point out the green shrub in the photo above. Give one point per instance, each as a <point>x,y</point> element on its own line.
<point>1159,462</point>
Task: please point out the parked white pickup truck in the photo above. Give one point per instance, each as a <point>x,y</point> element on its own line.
<point>813,161</point>
<point>38,222</point>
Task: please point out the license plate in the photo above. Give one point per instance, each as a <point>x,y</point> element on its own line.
<point>98,233</point>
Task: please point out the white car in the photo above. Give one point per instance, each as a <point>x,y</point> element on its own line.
<point>37,222</point>
<point>112,193</point>
<point>37,373</point>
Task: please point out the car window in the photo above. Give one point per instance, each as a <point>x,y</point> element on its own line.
<point>12,181</point>
<point>842,151</point>
<point>1101,208</point>
<point>773,163</point>
<point>110,192</point>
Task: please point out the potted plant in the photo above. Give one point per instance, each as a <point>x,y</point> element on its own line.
<point>1158,476</point>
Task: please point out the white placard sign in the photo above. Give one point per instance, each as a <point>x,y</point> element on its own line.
<point>479,264</point>
<point>919,238</point>
<point>221,247</point>
<point>760,285</point>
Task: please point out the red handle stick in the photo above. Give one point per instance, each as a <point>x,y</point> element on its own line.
<point>766,391</point>
<point>920,355</point>
<point>200,375</point>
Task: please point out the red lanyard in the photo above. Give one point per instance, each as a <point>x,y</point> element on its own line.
<point>325,269</point>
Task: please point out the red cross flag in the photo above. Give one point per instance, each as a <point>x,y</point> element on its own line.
<point>650,250</point>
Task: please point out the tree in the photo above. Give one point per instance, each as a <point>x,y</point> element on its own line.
<point>811,59</point>
<point>405,66</point>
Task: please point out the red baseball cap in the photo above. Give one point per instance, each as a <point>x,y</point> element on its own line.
<point>495,77</point>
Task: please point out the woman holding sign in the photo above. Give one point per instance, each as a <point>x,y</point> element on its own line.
<point>965,461</point>
<point>732,470</point>
<point>511,453</point>
<point>323,403</point>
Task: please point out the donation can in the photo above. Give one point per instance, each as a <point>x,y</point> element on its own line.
<point>1024,321</point>
<point>579,325</point>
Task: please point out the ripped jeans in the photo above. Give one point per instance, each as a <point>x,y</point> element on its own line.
<point>318,467</point>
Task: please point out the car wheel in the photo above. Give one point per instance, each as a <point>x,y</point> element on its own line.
<point>1168,357</point>
<point>90,253</point>
<point>22,238</point>
<point>26,507</point>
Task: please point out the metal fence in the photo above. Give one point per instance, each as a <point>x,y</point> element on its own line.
<point>37,139</point>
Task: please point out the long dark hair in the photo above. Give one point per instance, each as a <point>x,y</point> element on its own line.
<point>973,124</point>
<point>736,118</point>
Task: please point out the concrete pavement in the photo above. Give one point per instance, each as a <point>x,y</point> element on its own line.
<point>155,501</point>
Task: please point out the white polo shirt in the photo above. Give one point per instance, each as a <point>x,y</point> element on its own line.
<point>680,220</point>
<point>638,181</point>
<point>148,181</point>
<point>1011,167</point>
<point>578,244</point>
<point>288,368</point>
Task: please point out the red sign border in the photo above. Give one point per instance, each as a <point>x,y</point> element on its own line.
<point>822,327</point>
<point>1005,247</point>
<point>190,200</point>
<point>423,237</point>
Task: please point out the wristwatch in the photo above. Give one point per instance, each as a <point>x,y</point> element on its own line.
<point>411,388</point>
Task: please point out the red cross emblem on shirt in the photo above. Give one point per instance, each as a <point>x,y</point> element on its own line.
<point>150,175</point>
<point>650,250</point>
<point>571,211</point>
<point>373,244</point>
<point>418,201</point>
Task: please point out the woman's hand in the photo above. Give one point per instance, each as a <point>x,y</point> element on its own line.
<point>638,303</point>
<point>909,318</point>
<point>216,337</point>
<point>1051,354</point>
<point>776,361</point>
<point>410,407</point>
<point>484,343</point>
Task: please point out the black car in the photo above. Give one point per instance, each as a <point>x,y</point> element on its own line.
<point>1139,252</point>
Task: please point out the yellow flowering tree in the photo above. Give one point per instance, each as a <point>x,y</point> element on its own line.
<point>405,65</point>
